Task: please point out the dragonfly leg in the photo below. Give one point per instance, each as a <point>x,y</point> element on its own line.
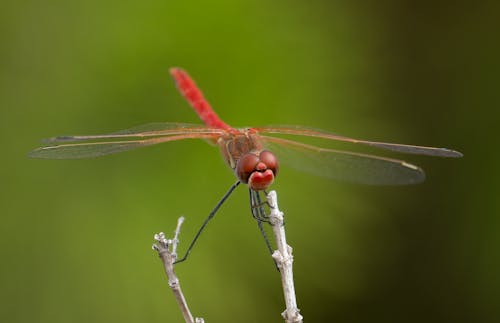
<point>210,216</point>
<point>264,235</point>
<point>257,207</point>
<point>259,215</point>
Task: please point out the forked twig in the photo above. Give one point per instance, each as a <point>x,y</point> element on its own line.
<point>167,251</point>
<point>284,260</point>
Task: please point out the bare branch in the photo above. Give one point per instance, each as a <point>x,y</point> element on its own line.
<point>284,260</point>
<point>167,251</point>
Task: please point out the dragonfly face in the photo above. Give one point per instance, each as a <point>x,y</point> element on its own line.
<point>258,169</point>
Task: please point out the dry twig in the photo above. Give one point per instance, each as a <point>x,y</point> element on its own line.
<point>167,250</point>
<point>284,260</point>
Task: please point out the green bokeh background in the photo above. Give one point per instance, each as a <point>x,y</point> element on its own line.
<point>75,235</point>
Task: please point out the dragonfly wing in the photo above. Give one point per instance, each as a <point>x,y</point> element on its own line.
<point>343,165</point>
<point>407,149</point>
<point>146,130</point>
<point>96,149</point>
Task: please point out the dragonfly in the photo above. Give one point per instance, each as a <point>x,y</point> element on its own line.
<point>253,154</point>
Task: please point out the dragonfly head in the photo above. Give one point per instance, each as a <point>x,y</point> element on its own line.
<point>258,170</point>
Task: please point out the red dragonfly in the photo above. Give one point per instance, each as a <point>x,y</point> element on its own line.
<point>249,152</point>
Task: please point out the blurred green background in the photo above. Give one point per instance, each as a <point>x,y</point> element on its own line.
<point>75,235</point>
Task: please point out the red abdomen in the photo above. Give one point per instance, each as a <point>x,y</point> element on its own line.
<point>195,97</point>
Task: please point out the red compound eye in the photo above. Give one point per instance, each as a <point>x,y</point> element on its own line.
<point>246,166</point>
<point>270,160</point>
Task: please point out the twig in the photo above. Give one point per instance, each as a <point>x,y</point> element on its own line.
<point>167,250</point>
<point>284,260</point>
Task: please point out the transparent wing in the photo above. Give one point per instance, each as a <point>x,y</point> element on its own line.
<point>343,165</point>
<point>408,149</point>
<point>146,130</point>
<point>96,149</point>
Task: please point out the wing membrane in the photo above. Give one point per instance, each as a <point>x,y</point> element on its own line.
<point>408,149</point>
<point>96,149</point>
<point>343,165</point>
<point>146,130</point>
